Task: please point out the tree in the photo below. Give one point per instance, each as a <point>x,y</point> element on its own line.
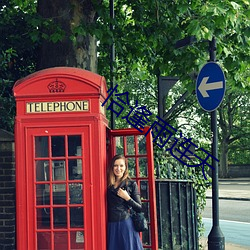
<point>234,117</point>
<point>156,26</point>
<point>69,40</point>
<point>47,33</point>
<point>66,33</point>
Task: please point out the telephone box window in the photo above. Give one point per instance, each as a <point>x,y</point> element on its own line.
<point>77,237</point>
<point>43,218</point>
<point>131,167</point>
<point>143,166</point>
<point>142,144</point>
<point>146,235</point>
<point>144,190</point>
<point>75,169</point>
<point>43,241</point>
<point>60,217</point>
<point>76,217</point>
<point>58,171</point>
<point>59,194</point>
<point>42,170</point>
<point>58,146</point>
<point>119,145</point>
<point>41,146</point>
<point>41,194</point>
<point>130,145</point>
<point>75,193</point>
<point>74,145</point>
<point>60,240</point>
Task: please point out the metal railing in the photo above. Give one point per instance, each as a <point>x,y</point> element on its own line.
<point>176,207</point>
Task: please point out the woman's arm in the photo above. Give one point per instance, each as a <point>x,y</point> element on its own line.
<point>133,200</point>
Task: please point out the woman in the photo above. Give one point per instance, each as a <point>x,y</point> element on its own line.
<point>122,195</point>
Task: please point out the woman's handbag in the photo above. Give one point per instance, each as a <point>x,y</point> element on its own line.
<point>140,222</point>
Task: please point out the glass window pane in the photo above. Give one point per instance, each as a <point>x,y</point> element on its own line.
<point>60,217</point>
<point>119,145</point>
<point>59,194</point>
<point>74,145</point>
<point>75,169</point>
<point>75,193</point>
<point>144,190</point>
<point>58,171</point>
<point>41,146</point>
<point>76,217</point>
<point>130,145</point>
<point>145,209</point>
<point>44,240</point>
<point>58,146</point>
<point>45,194</point>
<point>143,165</point>
<point>77,240</point>
<point>61,240</point>
<point>141,144</point>
<point>42,170</point>
<point>43,218</point>
<point>146,237</point>
<point>40,194</point>
<point>131,167</point>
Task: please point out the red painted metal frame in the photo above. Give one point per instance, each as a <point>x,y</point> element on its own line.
<point>150,178</point>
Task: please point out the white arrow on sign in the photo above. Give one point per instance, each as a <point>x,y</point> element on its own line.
<point>204,86</point>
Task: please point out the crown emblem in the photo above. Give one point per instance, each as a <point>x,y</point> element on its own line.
<point>56,86</point>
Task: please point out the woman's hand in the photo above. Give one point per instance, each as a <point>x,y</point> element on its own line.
<point>123,194</point>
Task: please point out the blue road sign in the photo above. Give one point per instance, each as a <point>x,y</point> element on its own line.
<point>210,86</point>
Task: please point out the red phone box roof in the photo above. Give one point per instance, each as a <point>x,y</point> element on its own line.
<point>60,81</point>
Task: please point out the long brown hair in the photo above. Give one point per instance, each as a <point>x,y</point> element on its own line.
<point>111,175</point>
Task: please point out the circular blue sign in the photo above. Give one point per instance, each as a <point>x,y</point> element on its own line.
<point>210,86</point>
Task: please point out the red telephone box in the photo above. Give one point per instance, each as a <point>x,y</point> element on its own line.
<point>61,161</point>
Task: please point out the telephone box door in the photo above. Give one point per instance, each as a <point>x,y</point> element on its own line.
<point>138,149</point>
<point>59,188</point>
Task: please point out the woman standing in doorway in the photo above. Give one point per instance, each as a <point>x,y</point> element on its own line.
<point>122,195</point>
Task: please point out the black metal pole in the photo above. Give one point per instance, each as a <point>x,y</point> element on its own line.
<point>112,58</point>
<point>216,239</point>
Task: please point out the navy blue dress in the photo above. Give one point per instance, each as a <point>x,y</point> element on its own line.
<point>121,231</point>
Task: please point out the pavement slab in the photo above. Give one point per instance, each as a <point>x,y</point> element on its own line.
<point>228,246</point>
<point>242,192</point>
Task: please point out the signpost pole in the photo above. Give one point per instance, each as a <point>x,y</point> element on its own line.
<point>216,238</point>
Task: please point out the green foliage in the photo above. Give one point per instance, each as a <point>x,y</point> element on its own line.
<point>147,31</point>
<point>17,55</point>
<point>234,125</point>
<point>171,168</point>
<point>145,35</point>
<point>15,29</point>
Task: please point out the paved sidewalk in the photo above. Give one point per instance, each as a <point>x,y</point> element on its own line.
<point>240,194</point>
<point>228,246</point>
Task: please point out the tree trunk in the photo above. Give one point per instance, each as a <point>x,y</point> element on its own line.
<point>223,168</point>
<point>75,49</point>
